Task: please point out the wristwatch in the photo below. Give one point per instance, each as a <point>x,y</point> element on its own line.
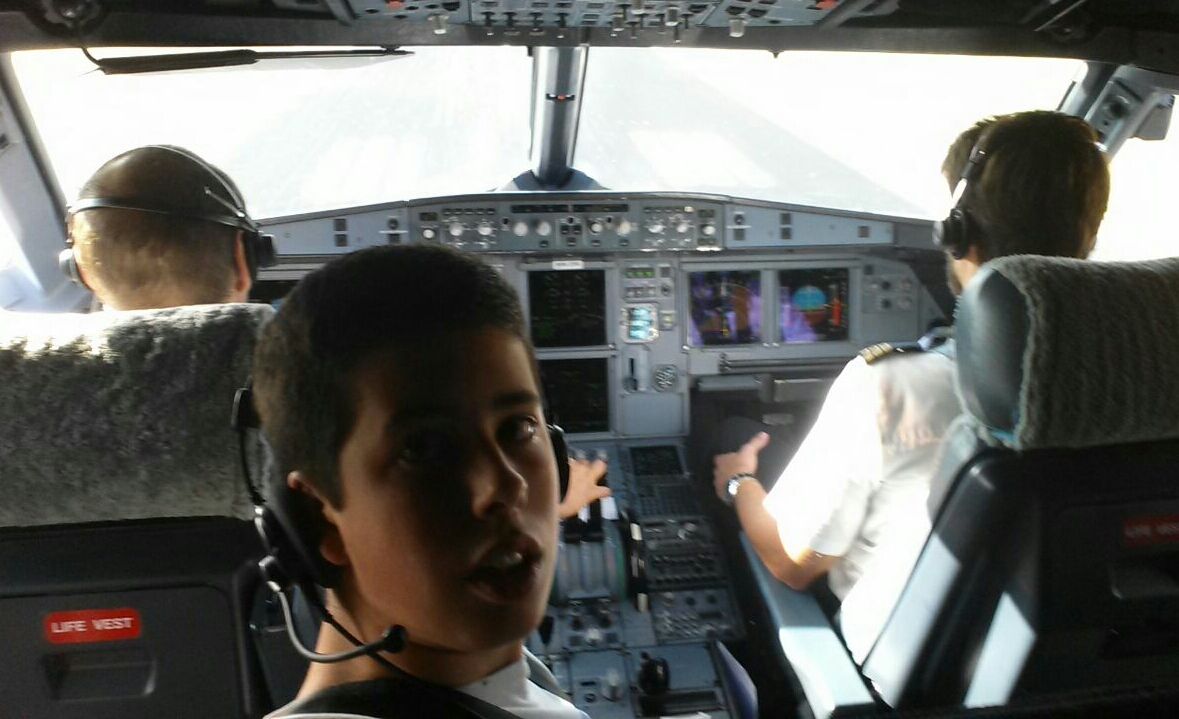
<point>734,484</point>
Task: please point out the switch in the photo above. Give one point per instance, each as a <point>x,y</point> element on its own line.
<point>612,685</point>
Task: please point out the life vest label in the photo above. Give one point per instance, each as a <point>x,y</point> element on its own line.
<point>91,625</point>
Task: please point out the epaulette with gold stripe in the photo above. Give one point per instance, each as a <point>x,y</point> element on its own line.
<point>935,338</point>
<point>874,352</point>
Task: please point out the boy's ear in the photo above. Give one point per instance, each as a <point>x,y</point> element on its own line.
<point>331,545</point>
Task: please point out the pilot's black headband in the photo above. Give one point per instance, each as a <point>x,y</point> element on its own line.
<point>237,218</point>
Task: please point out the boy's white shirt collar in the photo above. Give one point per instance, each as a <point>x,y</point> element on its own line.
<point>511,689</point>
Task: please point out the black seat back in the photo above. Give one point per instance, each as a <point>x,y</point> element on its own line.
<point>127,551</point>
<point>1054,558</point>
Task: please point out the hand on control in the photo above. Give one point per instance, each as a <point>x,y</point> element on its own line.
<point>584,476</point>
<point>744,460</point>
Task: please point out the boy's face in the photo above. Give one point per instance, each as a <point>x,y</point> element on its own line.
<point>447,522</point>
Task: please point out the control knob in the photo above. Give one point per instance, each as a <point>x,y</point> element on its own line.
<point>708,230</point>
<point>455,229</point>
<point>483,228</point>
<point>624,228</point>
<point>682,226</point>
<point>429,233</point>
<point>544,228</point>
<point>596,227</point>
<point>520,228</point>
<point>612,685</point>
<point>655,227</point>
<point>593,636</point>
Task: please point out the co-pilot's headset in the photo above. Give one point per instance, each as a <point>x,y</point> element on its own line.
<point>291,526</point>
<point>960,229</point>
<point>259,248</point>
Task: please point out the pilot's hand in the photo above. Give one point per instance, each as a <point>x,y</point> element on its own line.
<point>725,466</point>
<point>584,476</point>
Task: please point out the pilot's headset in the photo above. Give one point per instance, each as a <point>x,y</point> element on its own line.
<point>291,526</point>
<point>959,230</point>
<point>258,247</point>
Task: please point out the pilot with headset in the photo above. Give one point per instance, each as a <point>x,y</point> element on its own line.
<point>158,226</point>
<point>851,504</point>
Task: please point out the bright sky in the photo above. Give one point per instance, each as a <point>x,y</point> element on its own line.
<point>849,130</point>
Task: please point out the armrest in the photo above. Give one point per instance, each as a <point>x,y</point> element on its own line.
<point>829,678</point>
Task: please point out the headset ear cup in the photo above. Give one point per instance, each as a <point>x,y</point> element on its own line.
<point>292,527</point>
<point>561,453</point>
<point>68,264</point>
<point>259,251</point>
<point>953,233</point>
<point>265,253</point>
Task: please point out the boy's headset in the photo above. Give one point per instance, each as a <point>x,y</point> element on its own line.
<point>258,247</point>
<point>291,527</point>
<point>960,230</point>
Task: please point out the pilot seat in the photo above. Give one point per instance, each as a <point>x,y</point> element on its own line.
<point>1053,563</point>
<point>127,548</point>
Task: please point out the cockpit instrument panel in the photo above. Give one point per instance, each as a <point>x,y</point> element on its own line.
<point>567,308</point>
<point>725,308</point>
<point>813,304</point>
<point>576,393</point>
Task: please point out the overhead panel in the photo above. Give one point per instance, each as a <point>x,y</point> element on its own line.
<point>633,17</point>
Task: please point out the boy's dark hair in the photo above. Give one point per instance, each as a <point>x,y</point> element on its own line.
<point>1043,188</point>
<point>369,301</point>
<point>140,257</point>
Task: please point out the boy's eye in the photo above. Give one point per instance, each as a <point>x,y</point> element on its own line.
<point>519,429</point>
<point>426,447</point>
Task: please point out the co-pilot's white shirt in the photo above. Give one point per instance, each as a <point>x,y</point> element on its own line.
<point>857,487</point>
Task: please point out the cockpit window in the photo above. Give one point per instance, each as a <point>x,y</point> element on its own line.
<point>8,244</point>
<point>1143,178</point>
<point>855,131</point>
<point>298,136</point>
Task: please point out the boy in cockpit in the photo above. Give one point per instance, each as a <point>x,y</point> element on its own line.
<point>399,391</point>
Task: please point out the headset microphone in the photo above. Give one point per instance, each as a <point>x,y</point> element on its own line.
<point>392,641</point>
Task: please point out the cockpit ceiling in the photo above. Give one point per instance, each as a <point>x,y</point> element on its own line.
<point>1142,33</point>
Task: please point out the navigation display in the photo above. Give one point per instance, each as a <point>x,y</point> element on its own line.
<point>725,308</point>
<point>576,395</point>
<point>813,304</point>
<point>568,308</point>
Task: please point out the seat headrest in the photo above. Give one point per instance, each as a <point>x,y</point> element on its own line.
<point>1056,352</point>
<point>123,415</point>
